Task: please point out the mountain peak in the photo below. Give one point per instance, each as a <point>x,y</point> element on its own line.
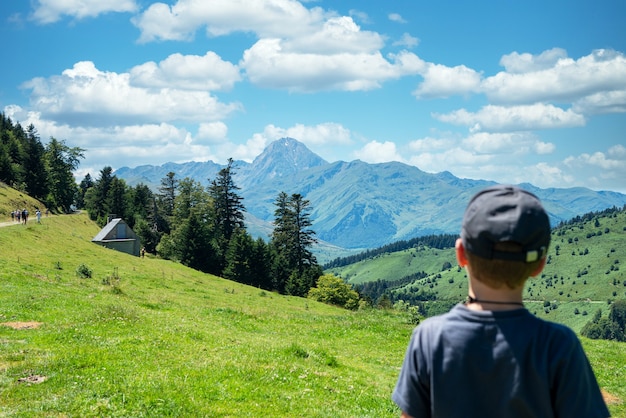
<point>284,157</point>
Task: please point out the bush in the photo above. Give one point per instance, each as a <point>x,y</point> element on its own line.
<point>611,328</point>
<point>83,272</point>
<point>334,291</point>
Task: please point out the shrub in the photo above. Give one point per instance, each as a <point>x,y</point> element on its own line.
<point>83,272</point>
<point>415,317</point>
<point>611,328</point>
<point>333,290</point>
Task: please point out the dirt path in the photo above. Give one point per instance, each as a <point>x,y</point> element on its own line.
<point>10,223</point>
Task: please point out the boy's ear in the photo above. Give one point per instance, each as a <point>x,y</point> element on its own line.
<point>539,268</point>
<point>461,258</point>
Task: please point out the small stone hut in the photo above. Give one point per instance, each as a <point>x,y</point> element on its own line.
<point>117,235</point>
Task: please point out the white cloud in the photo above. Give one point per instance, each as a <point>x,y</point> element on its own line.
<point>441,81</point>
<point>601,170</point>
<point>212,132</point>
<point>460,161</point>
<point>514,118</point>
<point>566,80</point>
<point>378,152</point>
<point>502,157</point>
<point>396,17</point>
<point>299,49</point>
<point>542,174</point>
<point>266,18</point>
<point>430,144</point>
<point>407,41</point>
<point>322,134</point>
<point>603,102</point>
<point>513,144</point>
<point>516,63</point>
<point>86,96</point>
<point>359,15</point>
<point>187,72</point>
<point>267,64</point>
<point>337,35</point>
<point>50,11</point>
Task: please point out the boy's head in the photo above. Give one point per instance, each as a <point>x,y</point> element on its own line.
<point>505,234</point>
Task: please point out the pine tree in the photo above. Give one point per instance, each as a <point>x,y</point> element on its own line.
<point>292,239</point>
<point>96,198</point>
<point>35,177</point>
<point>192,243</point>
<point>228,209</point>
<point>167,194</point>
<point>85,184</point>
<point>117,200</point>
<point>238,264</point>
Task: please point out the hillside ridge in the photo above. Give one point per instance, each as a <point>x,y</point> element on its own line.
<point>357,205</point>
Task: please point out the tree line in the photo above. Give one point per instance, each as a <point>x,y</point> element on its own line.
<point>203,228</point>
<point>433,241</point>
<point>43,172</point>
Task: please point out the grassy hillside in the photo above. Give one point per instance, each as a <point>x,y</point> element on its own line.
<point>584,272</point>
<point>147,337</point>
<point>11,199</point>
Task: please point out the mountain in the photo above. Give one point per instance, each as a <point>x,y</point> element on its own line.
<point>356,205</point>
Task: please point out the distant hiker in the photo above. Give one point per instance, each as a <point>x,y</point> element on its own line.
<point>38,214</point>
<point>489,356</point>
<point>24,216</point>
<point>13,216</point>
<point>18,215</point>
<point>143,252</point>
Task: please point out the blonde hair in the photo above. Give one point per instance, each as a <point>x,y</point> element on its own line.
<point>496,273</point>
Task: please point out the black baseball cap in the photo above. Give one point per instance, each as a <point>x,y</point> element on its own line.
<point>505,213</point>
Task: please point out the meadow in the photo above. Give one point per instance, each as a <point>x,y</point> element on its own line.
<point>148,337</point>
<point>151,338</point>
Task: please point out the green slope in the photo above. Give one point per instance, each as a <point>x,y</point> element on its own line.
<point>147,337</point>
<point>585,271</point>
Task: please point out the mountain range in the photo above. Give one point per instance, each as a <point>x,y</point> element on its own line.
<point>356,205</point>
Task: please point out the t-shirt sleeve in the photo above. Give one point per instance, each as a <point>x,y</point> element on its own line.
<point>575,389</point>
<point>412,391</point>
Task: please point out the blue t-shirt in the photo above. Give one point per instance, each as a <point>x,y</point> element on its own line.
<point>496,364</point>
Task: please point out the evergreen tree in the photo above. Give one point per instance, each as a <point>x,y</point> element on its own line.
<point>167,193</point>
<point>61,161</point>
<point>238,258</point>
<point>192,243</point>
<point>96,198</point>
<point>260,265</point>
<point>6,168</point>
<point>85,184</point>
<point>117,199</point>
<point>35,176</point>
<point>292,239</point>
<point>140,198</point>
<point>191,196</point>
<point>228,209</point>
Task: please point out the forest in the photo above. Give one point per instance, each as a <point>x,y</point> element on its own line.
<point>202,228</point>
<point>43,172</point>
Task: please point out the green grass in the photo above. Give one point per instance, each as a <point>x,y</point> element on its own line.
<point>586,270</point>
<point>151,338</point>
<point>147,337</point>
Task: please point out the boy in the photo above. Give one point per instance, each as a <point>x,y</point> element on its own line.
<point>490,357</point>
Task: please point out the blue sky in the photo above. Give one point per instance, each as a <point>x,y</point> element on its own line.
<point>503,90</point>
